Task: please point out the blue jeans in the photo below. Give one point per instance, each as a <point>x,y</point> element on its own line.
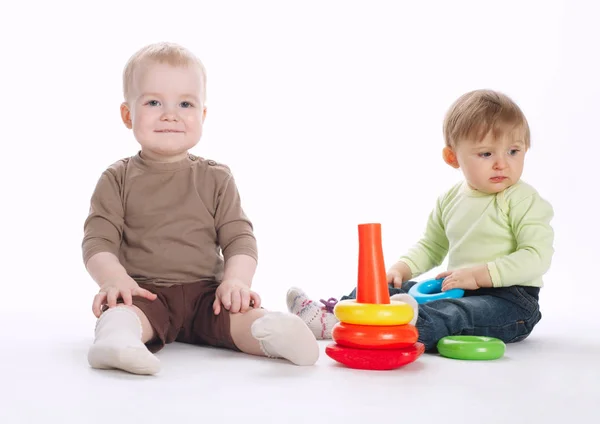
<point>507,313</point>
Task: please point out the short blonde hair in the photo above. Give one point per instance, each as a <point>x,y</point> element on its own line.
<point>170,53</point>
<point>474,114</point>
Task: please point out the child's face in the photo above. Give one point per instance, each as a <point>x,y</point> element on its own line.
<point>165,111</point>
<point>491,165</point>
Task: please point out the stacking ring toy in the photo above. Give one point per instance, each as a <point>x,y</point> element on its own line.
<point>374,337</point>
<point>375,359</point>
<point>429,290</point>
<point>393,313</point>
<point>471,347</point>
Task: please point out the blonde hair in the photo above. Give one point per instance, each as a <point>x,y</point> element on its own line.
<point>476,113</point>
<point>170,53</point>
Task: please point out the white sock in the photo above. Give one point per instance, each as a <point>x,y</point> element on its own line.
<point>118,344</point>
<point>407,298</point>
<point>316,317</point>
<point>283,335</point>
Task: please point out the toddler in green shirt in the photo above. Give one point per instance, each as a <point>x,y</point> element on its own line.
<point>493,227</point>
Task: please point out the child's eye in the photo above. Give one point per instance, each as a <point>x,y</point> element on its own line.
<point>485,155</point>
<point>186,104</point>
<point>513,152</point>
<point>153,103</point>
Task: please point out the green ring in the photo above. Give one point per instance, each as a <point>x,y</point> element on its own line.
<point>471,347</point>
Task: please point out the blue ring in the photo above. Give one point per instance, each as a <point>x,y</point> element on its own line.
<point>430,290</point>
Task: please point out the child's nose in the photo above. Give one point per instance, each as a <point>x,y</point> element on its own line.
<point>169,115</point>
<point>500,163</point>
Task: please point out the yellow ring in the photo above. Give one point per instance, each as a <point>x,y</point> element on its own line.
<point>350,311</point>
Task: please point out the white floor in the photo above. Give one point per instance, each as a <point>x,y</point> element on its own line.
<point>551,377</point>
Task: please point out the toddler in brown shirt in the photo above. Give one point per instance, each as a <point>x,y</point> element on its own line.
<point>166,238</point>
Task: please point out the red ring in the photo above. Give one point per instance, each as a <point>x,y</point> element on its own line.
<point>378,359</point>
<point>375,337</point>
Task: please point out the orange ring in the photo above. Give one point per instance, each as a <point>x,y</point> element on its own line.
<point>374,337</point>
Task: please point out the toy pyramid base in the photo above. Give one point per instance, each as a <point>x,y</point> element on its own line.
<point>374,359</point>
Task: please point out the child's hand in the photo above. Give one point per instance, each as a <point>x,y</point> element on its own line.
<point>126,289</point>
<point>394,277</point>
<point>398,274</point>
<point>235,296</point>
<point>458,279</point>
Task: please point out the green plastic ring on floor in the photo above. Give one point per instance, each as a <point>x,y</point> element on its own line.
<point>471,347</point>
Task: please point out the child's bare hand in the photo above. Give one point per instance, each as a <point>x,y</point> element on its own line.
<point>235,296</point>
<point>394,276</point>
<point>458,279</point>
<point>110,293</point>
<point>398,273</point>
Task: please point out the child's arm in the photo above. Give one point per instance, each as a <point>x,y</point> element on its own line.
<point>426,254</point>
<point>530,221</point>
<point>114,282</point>
<point>240,268</point>
<point>103,230</point>
<point>238,244</point>
<point>105,268</point>
<point>235,233</point>
<point>234,292</point>
<point>399,273</point>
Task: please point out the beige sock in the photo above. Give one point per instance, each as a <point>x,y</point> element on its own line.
<point>118,344</point>
<point>283,335</point>
<point>407,298</point>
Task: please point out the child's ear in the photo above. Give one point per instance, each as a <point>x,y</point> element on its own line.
<point>126,115</point>
<point>450,157</point>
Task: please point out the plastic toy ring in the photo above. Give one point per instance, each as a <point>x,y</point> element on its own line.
<point>471,347</point>
<point>393,313</point>
<point>429,290</point>
<point>374,359</point>
<point>374,337</point>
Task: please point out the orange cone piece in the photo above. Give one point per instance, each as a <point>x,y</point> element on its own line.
<point>372,281</point>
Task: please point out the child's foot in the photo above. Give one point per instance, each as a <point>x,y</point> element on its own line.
<point>118,344</point>
<point>283,335</point>
<point>407,298</point>
<point>320,319</point>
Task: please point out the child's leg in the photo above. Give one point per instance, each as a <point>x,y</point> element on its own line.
<point>508,313</point>
<point>256,332</point>
<point>120,337</point>
<point>127,336</point>
<point>319,317</point>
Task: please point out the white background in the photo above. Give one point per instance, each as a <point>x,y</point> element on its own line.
<point>329,114</point>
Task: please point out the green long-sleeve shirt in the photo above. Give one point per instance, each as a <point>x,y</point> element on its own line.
<point>509,231</point>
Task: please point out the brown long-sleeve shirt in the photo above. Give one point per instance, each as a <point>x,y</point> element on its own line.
<point>168,222</point>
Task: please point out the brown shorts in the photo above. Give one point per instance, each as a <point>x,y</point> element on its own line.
<point>184,313</point>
